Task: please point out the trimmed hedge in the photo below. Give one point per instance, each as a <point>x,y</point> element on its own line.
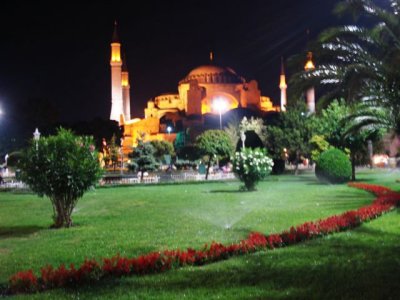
<point>333,166</point>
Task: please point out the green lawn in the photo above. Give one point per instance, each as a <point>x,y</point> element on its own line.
<point>359,264</point>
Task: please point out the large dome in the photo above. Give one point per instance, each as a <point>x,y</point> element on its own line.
<point>213,74</point>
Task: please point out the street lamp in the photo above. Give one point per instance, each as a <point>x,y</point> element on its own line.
<point>370,152</point>
<point>242,137</point>
<point>122,156</point>
<point>220,105</point>
<point>169,129</point>
<point>36,137</point>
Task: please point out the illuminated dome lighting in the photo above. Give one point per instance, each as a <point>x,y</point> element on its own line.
<point>213,74</point>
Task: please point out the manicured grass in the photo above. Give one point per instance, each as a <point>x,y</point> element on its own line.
<point>359,264</point>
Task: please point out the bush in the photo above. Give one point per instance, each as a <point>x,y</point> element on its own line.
<point>252,165</point>
<point>184,164</point>
<point>62,167</point>
<point>279,167</point>
<point>333,166</point>
<point>213,144</point>
<point>142,158</point>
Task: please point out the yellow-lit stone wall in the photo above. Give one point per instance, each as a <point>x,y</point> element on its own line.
<point>229,92</point>
<point>150,111</point>
<point>252,94</point>
<point>135,128</point>
<point>169,101</point>
<point>243,94</point>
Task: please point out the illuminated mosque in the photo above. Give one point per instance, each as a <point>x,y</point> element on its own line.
<point>207,89</point>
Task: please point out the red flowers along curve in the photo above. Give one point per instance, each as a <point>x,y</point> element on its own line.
<point>156,262</point>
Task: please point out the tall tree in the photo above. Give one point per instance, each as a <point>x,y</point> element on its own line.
<point>293,132</point>
<point>360,63</point>
<point>142,158</point>
<point>162,149</point>
<point>113,151</point>
<point>214,143</point>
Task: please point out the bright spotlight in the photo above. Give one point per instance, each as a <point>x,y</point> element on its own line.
<point>220,105</point>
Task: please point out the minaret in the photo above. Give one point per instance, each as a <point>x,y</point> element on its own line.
<point>310,93</point>
<point>116,86</point>
<point>283,87</point>
<point>126,99</point>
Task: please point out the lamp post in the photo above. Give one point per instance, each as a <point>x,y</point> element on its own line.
<point>36,137</point>
<point>169,129</point>
<point>370,152</point>
<point>122,156</point>
<point>219,105</point>
<point>243,138</point>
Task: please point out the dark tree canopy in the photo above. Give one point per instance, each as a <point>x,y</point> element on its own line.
<point>293,132</point>
<point>162,148</point>
<point>213,143</point>
<point>360,63</point>
<point>142,158</point>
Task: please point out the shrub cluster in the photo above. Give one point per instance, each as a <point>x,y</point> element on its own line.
<point>251,166</point>
<point>61,167</point>
<point>155,262</point>
<point>333,166</point>
<point>184,164</point>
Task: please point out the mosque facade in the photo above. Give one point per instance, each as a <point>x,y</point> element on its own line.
<point>207,89</point>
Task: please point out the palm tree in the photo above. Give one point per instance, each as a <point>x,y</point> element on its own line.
<point>360,63</point>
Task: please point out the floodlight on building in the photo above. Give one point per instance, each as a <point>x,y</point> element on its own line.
<point>220,105</point>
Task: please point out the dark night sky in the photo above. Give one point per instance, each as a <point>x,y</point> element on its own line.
<point>60,51</point>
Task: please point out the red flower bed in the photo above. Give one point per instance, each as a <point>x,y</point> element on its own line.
<point>155,262</point>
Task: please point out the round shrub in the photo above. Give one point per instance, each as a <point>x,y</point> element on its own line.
<point>333,166</point>
<point>251,165</point>
<point>61,167</point>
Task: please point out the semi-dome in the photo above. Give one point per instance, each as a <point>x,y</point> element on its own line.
<point>213,74</point>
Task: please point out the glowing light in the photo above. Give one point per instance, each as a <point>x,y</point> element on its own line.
<point>380,160</point>
<point>220,105</point>
<point>124,79</point>
<point>36,137</point>
<point>309,64</point>
<point>282,83</point>
<point>169,129</point>
<point>115,52</point>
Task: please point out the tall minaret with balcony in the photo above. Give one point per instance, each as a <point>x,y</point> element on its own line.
<point>310,93</point>
<point>126,99</point>
<point>283,87</point>
<point>116,78</point>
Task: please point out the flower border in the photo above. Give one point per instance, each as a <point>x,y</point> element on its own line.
<point>157,262</point>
